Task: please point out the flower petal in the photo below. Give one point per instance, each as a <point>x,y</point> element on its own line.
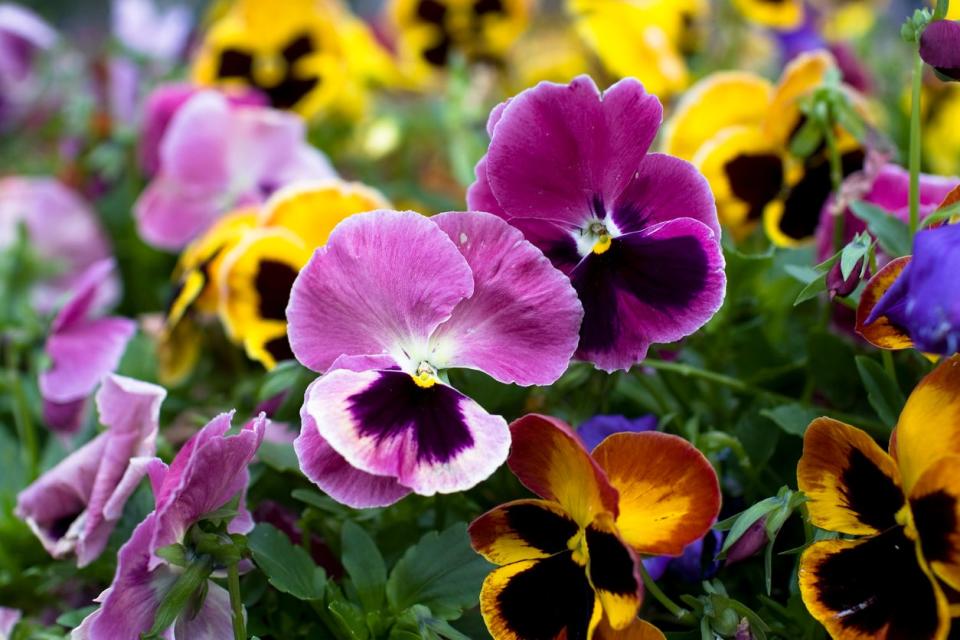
<point>557,147</point>
<point>669,494</point>
<point>383,283</point>
<point>874,325</point>
<point>336,477</point>
<point>8,620</point>
<point>657,285</point>
<point>521,323</point>
<point>548,459</point>
<point>852,484</point>
<point>522,530</point>
<point>614,572</point>
<point>929,425</point>
<point>940,47</point>
<point>479,195</point>
<point>214,621</point>
<point>548,598</point>
<point>800,77</point>
<point>638,630</point>
<point>593,431</point>
<point>872,588</point>
<point>432,440</point>
<point>935,507</point>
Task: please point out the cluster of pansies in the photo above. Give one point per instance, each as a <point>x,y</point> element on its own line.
<point>464,319</point>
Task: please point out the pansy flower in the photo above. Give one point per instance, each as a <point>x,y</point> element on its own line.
<point>215,157</point>
<point>391,302</point>
<point>23,36</point>
<point>206,474</point>
<point>940,48</point>
<point>429,32</point>
<point>901,513</point>
<point>784,15</point>
<point>637,233</point>
<point>569,560</point>
<point>737,128</point>
<point>83,347</point>
<point>73,507</point>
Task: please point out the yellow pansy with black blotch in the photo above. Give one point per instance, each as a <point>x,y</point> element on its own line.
<point>941,136</point>
<point>288,50</point>
<point>899,513</point>
<point>257,273</point>
<point>737,129</point>
<point>429,32</point>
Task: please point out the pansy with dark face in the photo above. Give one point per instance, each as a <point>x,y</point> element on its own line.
<point>569,560</point>
<point>637,233</point>
<point>902,512</point>
<point>384,308</point>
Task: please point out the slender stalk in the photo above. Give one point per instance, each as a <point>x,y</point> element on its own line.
<point>236,602</point>
<point>836,179</point>
<point>681,614</point>
<point>888,364</point>
<point>915,142</point>
<point>21,415</point>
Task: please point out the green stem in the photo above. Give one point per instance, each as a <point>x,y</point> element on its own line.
<point>836,179</point>
<point>681,614</point>
<point>915,142</point>
<point>888,365</point>
<point>236,602</point>
<point>21,416</point>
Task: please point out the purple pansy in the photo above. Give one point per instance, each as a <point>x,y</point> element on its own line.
<point>594,430</point>
<point>637,233</point>
<point>23,34</point>
<point>207,473</point>
<point>214,157</point>
<point>73,507</point>
<point>158,34</point>
<point>392,300</point>
<point>940,48</point>
<point>62,230</point>
<point>924,300</point>
<point>8,620</point>
<point>82,348</point>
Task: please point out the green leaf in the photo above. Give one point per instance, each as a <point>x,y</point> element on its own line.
<point>418,622</point>
<point>72,619</point>
<point>180,593</point>
<point>792,418</point>
<point>351,619</point>
<point>441,572</point>
<point>807,139</point>
<point>280,379</point>
<point>883,393</point>
<point>941,214</point>
<point>289,568</point>
<point>892,233</point>
<point>364,565</point>
<point>175,554</point>
<point>279,456</point>
<point>745,520</point>
<point>855,251</point>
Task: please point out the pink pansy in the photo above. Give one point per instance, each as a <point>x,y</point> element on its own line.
<point>158,34</point>
<point>73,507</point>
<point>23,34</point>
<point>82,348</point>
<point>207,473</point>
<point>215,157</point>
<point>390,302</point>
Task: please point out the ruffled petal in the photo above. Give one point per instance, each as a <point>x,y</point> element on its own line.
<point>480,196</point>
<point>82,355</point>
<point>521,323</point>
<point>872,322</point>
<point>548,598</point>
<point>872,588</point>
<point>558,147</point>
<point>431,439</point>
<point>935,508</point>
<point>852,484</point>
<point>549,460</point>
<point>336,477</point>
<point>669,494</point>
<point>194,151</point>
<point>383,283</point>
<point>614,572</point>
<point>929,425</point>
<point>522,530</point>
<point>657,285</point>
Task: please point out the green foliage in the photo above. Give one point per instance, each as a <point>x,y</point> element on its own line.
<point>289,568</point>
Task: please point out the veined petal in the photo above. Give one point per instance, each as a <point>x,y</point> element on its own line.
<point>723,99</point>
<point>657,285</point>
<point>383,283</point>
<point>548,458</point>
<point>431,439</point>
<point>929,426</point>
<point>521,323</point>
<point>214,621</point>
<point>336,477</point>
<point>940,47</point>
<point>613,571</point>
<point>874,325</point>
<point>935,509</point>
<point>546,598</point>
<point>853,485</point>
<point>522,530</point>
<point>873,588</point>
<point>311,210</point>
<point>669,494</point>
<point>479,195</point>
<point>557,146</point>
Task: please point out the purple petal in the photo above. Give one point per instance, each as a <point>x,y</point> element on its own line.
<point>380,286</point>
<point>521,323</point>
<point>430,439</point>
<point>749,544</point>
<point>168,217</point>
<point>665,188</point>
<point>195,151</point>
<point>81,355</point>
<point>558,148</point>
<point>593,431</point>
<point>142,26</point>
<point>64,417</point>
<point>214,621</point>
<point>479,195</point>
<point>8,620</point>
<point>940,47</point>
<point>333,474</point>
<point>86,294</point>
<point>658,285</point>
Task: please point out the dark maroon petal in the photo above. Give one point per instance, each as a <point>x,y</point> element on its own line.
<point>940,47</point>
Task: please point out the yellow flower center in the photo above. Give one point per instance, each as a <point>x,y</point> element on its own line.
<point>578,544</point>
<point>426,376</point>
<point>269,70</point>
<point>602,245</point>
<point>904,518</point>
